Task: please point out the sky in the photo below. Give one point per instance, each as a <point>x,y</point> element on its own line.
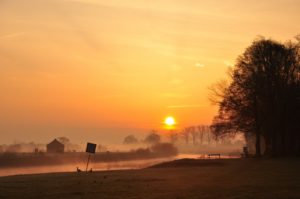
<point>103,69</point>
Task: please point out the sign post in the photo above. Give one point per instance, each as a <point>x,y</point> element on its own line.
<point>90,148</point>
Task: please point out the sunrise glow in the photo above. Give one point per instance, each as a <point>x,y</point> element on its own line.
<point>101,90</point>
<point>101,68</point>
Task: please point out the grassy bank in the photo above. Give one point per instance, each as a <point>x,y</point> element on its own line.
<point>240,178</point>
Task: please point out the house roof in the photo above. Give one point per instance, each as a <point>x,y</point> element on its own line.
<point>55,142</point>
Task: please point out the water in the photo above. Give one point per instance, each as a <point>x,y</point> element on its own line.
<point>119,165</point>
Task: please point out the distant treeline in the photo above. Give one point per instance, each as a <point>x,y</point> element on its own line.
<point>196,135</point>
<point>21,147</point>
<point>28,147</point>
<point>158,150</point>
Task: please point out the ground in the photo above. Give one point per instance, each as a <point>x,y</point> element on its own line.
<point>241,178</point>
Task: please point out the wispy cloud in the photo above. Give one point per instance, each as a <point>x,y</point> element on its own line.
<point>11,35</point>
<point>228,63</point>
<point>175,68</point>
<point>185,106</point>
<point>175,95</point>
<point>176,81</point>
<point>199,65</point>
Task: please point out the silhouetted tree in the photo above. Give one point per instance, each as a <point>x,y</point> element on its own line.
<point>152,138</point>
<point>201,133</point>
<point>130,139</point>
<point>263,98</point>
<point>173,137</point>
<point>186,135</point>
<point>101,148</point>
<point>194,134</point>
<point>63,140</point>
<point>164,149</point>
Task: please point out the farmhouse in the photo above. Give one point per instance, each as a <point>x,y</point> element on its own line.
<point>55,147</point>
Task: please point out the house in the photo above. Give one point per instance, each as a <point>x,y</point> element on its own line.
<point>55,147</point>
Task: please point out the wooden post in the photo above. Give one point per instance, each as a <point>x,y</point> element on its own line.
<point>87,164</point>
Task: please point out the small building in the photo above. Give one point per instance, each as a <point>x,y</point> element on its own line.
<point>55,147</point>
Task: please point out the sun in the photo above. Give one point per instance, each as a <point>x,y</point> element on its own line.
<point>170,121</point>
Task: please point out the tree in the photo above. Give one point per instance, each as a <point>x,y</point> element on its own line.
<point>186,135</point>
<point>130,139</point>
<point>201,133</point>
<point>173,137</point>
<point>152,138</point>
<point>263,97</point>
<point>101,148</point>
<point>63,140</point>
<point>164,149</point>
<point>194,134</point>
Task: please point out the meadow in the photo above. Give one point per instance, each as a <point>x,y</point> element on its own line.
<point>185,178</point>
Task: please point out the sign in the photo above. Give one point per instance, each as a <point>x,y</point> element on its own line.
<point>90,148</point>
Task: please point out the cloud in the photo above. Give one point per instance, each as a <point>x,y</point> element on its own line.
<point>176,68</point>
<point>12,35</point>
<point>228,63</point>
<point>185,106</point>
<point>176,81</point>
<point>199,65</point>
<point>175,95</point>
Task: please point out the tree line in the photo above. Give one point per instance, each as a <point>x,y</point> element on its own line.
<point>193,135</point>
<point>262,99</point>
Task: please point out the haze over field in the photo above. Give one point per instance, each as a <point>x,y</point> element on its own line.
<point>100,70</point>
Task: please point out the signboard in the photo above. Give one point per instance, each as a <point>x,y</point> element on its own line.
<point>90,148</point>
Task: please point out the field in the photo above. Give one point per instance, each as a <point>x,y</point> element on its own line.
<point>235,178</point>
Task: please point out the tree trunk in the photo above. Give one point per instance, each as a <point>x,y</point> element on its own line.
<point>257,145</point>
<point>268,151</point>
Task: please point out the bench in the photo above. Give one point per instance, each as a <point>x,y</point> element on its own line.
<point>214,154</point>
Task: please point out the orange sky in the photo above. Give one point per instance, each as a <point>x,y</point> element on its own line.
<point>95,69</point>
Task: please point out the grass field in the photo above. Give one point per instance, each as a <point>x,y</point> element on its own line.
<point>239,178</point>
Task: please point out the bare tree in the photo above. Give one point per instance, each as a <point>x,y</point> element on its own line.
<point>263,97</point>
<point>153,137</point>
<point>101,148</point>
<point>194,134</point>
<point>130,139</point>
<point>173,137</point>
<point>186,135</point>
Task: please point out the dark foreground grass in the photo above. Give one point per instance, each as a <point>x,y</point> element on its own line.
<point>245,178</point>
